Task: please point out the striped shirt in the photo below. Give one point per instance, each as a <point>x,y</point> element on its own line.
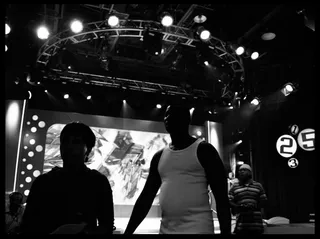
<point>251,193</point>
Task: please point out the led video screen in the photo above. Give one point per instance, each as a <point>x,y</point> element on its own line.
<point>123,156</point>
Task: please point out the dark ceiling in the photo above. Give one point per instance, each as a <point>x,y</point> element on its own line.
<point>286,58</point>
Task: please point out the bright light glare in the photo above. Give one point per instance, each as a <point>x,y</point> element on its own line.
<point>289,88</point>
<point>6,48</point>
<point>206,63</point>
<point>240,50</point>
<point>66,96</point>
<point>158,106</point>
<point>240,162</point>
<point>205,34</point>
<point>255,101</point>
<point>8,29</point>
<point>191,110</point>
<point>113,21</point>
<point>254,55</point>
<point>124,101</point>
<point>43,33</point>
<point>76,26</point>
<point>167,21</point>
<point>199,133</point>
<point>88,97</point>
<point>12,117</point>
<point>45,91</point>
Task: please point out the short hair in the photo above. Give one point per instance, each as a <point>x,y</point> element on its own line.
<point>80,129</point>
<point>15,194</point>
<point>182,110</point>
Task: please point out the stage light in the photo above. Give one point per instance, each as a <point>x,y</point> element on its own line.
<point>45,91</point>
<point>124,101</point>
<point>191,110</point>
<point>240,162</point>
<point>255,101</point>
<point>162,51</point>
<point>200,19</point>
<point>43,33</point>
<point>69,67</point>
<point>209,112</point>
<point>167,20</point>
<point>38,82</point>
<point>199,133</point>
<point>8,29</point>
<point>206,63</point>
<point>289,88</point>
<point>205,35</point>
<point>254,55</point>
<point>76,26</point>
<point>113,21</point>
<point>159,106</point>
<point>240,50</point>
<point>5,48</point>
<point>156,53</point>
<point>66,96</point>
<point>30,94</point>
<point>88,97</point>
<point>268,36</point>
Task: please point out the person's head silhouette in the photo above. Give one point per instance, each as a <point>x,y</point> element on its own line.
<point>177,120</point>
<point>76,143</point>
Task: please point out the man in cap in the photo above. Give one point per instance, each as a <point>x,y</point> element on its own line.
<point>247,198</point>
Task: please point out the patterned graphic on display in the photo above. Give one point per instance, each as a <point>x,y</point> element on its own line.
<point>286,146</point>
<point>123,156</point>
<point>293,163</point>
<point>306,139</point>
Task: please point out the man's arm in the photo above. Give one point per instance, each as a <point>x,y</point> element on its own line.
<point>215,173</point>
<point>145,199</point>
<point>106,210</point>
<point>262,198</point>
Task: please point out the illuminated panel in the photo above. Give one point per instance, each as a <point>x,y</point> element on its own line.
<point>214,132</point>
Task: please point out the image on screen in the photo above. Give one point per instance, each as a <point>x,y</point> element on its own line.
<point>123,156</point>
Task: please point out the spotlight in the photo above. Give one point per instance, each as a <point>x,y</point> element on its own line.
<point>199,133</point>
<point>166,20</point>
<point>159,106</point>
<point>5,48</point>
<point>76,26</point>
<point>8,29</point>
<point>45,91</point>
<point>66,96</point>
<point>88,97</point>
<point>209,112</point>
<point>124,101</point>
<point>206,63</point>
<point>43,33</point>
<point>255,101</point>
<point>156,53</point>
<point>200,18</point>
<point>69,67</point>
<point>162,51</point>
<point>288,89</point>
<point>254,55</point>
<point>205,35</point>
<point>191,110</point>
<point>240,50</point>
<point>38,82</point>
<point>113,21</point>
<point>240,162</point>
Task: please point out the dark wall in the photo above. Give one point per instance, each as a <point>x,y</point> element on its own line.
<point>291,191</point>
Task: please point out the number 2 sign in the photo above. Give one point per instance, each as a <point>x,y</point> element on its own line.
<point>286,146</point>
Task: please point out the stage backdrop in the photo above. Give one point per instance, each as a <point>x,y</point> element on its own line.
<point>123,150</point>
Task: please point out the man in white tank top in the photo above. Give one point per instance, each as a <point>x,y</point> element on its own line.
<point>183,171</point>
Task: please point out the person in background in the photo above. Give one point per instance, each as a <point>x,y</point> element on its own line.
<point>247,198</point>
<point>14,214</point>
<point>74,198</point>
<point>183,170</point>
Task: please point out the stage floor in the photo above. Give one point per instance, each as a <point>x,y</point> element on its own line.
<point>148,226</point>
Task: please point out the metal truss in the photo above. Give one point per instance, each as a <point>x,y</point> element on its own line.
<point>135,29</point>
<point>116,82</point>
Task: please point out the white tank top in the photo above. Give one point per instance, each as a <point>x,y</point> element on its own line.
<point>184,198</point>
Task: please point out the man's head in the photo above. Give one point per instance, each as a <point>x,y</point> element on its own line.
<point>245,172</point>
<point>76,143</point>
<point>177,119</point>
<point>16,198</point>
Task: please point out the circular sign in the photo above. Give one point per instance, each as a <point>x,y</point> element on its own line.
<point>306,139</point>
<point>294,129</point>
<point>286,146</point>
<point>293,163</point>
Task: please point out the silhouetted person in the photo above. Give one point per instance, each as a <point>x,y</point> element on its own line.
<point>73,194</point>
<point>183,170</point>
<point>247,198</point>
<point>14,213</point>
